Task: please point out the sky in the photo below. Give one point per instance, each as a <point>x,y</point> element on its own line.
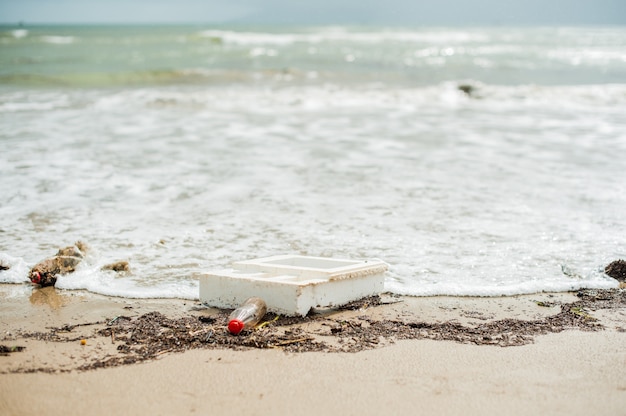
<point>319,12</point>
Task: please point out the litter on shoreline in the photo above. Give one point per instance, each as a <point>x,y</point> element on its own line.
<point>152,335</point>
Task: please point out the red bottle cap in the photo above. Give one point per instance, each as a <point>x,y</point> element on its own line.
<point>235,326</point>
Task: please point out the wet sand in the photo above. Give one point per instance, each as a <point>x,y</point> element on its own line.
<point>551,353</point>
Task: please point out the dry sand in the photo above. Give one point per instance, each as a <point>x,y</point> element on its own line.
<point>440,355</point>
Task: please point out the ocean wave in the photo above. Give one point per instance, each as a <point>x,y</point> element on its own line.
<point>94,280</point>
<point>524,286</point>
<point>126,78</point>
<point>483,192</point>
<point>19,33</point>
<point>342,35</point>
<point>17,271</point>
<point>33,101</point>
<point>91,278</point>
<point>58,40</point>
<point>235,91</point>
<point>604,57</point>
<point>584,95</point>
<point>466,174</point>
<point>346,56</point>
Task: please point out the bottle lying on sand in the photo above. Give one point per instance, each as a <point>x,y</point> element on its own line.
<point>247,315</point>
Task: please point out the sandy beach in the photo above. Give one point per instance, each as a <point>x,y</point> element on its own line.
<point>545,353</point>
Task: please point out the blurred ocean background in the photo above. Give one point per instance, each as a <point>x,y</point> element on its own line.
<point>475,161</point>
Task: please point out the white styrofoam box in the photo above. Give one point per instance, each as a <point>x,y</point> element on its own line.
<point>292,285</point>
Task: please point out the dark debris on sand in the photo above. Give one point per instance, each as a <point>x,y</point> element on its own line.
<point>151,335</point>
<point>4,350</point>
<point>617,270</point>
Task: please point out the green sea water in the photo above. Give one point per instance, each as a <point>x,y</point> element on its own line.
<point>102,56</point>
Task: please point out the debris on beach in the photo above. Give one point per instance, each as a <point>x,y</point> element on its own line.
<point>45,272</point>
<point>79,249</point>
<point>617,270</point>
<point>118,267</point>
<point>467,89</point>
<point>5,351</point>
<point>470,90</point>
<point>152,335</point>
<point>247,315</point>
<point>364,303</point>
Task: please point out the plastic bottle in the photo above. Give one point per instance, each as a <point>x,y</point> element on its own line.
<point>247,315</point>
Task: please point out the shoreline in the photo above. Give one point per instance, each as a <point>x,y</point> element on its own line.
<point>558,351</point>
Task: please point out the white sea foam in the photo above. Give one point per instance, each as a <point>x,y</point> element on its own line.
<point>252,38</point>
<point>58,40</point>
<point>341,34</point>
<point>465,285</point>
<point>109,284</point>
<point>37,102</point>
<point>489,193</point>
<point>17,271</point>
<point>19,33</point>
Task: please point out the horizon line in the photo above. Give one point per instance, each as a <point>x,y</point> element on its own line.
<point>23,23</point>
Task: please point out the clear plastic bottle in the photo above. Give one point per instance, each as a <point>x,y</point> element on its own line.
<point>247,315</point>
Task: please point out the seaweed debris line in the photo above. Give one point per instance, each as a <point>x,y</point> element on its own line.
<point>135,339</point>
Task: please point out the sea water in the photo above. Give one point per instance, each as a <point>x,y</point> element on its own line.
<point>184,148</point>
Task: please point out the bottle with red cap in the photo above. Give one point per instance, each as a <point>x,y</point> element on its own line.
<point>247,315</point>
